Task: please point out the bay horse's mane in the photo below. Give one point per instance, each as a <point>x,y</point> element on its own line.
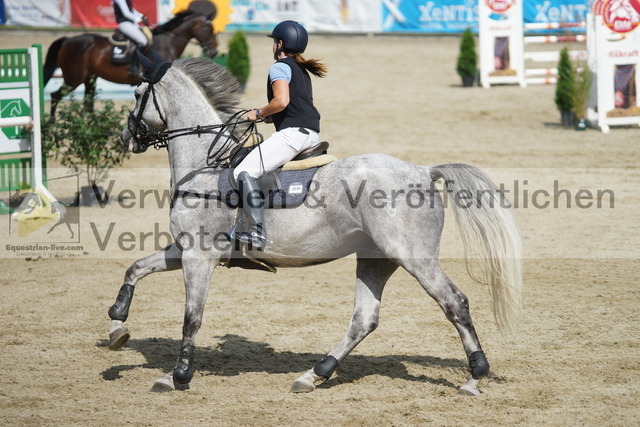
<point>174,22</point>
<point>220,87</point>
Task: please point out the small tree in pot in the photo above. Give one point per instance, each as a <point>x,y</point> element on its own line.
<point>467,59</point>
<point>565,88</point>
<point>238,60</point>
<point>86,140</point>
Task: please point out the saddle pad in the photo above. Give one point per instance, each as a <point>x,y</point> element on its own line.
<point>309,163</point>
<point>294,191</point>
<point>119,56</point>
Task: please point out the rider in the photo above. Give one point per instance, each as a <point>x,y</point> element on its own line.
<point>291,110</point>
<point>128,19</point>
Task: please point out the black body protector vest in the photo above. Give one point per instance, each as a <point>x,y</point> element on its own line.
<point>119,16</point>
<point>300,112</point>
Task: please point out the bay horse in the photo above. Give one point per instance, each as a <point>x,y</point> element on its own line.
<point>174,100</point>
<point>87,56</point>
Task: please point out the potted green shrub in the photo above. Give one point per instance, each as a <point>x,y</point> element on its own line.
<point>580,96</point>
<point>467,59</point>
<point>87,140</point>
<point>238,58</point>
<point>565,88</point>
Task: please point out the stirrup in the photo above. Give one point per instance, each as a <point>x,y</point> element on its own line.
<point>254,239</point>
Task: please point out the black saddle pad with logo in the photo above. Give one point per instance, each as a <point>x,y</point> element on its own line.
<point>119,55</point>
<point>288,191</point>
<point>119,45</point>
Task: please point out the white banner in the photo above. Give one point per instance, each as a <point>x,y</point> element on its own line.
<point>164,10</point>
<point>315,15</point>
<point>38,13</point>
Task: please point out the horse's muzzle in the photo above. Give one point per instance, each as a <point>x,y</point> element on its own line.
<point>211,52</point>
<point>130,143</point>
<point>127,139</point>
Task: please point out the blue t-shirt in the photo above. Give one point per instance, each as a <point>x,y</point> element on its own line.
<point>279,71</point>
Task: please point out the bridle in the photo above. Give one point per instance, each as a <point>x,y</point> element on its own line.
<point>146,137</point>
<point>203,44</point>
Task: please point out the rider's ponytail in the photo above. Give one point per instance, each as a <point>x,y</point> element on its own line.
<point>313,66</point>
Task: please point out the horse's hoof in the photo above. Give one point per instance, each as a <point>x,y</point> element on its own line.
<point>465,390</point>
<point>306,382</point>
<point>118,337</point>
<point>163,385</point>
<point>159,387</point>
<point>302,387</point>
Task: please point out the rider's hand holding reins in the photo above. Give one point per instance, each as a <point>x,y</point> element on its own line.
<point>254,115</point>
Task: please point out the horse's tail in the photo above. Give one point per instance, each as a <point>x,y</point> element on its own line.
<point>51,61</point>
<point>490,232</point>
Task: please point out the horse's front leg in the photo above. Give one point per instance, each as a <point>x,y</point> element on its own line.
<point>167,259</point>
<point>197,268</point>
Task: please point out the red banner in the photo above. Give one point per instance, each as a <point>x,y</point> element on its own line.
<point>99,13</point>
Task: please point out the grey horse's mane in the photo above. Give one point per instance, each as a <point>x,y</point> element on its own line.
<point>218,84</point>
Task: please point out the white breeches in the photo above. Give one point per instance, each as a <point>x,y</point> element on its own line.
<point>277,150</point>
<point>133,32</point>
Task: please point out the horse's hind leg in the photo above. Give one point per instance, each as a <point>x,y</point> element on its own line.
<point>167,259</point>
<point>456,307</point>
<point>371,276</point>
<point>56,96</point>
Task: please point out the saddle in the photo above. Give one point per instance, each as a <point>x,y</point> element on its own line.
<point>286,187</point>
<point>122,49</point>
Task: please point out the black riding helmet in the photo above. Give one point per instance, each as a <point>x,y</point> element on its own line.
<point>293,35</point>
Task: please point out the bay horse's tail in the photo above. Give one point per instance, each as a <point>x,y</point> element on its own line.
<point>51,61</point>
<point>489,233</point>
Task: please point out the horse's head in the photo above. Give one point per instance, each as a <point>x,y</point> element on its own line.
<point>147,119</point>
<point>202,31</point>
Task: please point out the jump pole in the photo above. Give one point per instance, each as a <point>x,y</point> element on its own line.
<point>16,78</point>
<point>502,41</point>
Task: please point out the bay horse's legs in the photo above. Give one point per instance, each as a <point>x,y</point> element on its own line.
<point>456,307</point>
<point>56,96</point>
<point>197,269</point>
<point>167,259</point>
<point>89,91</point>
<point>371,276</point>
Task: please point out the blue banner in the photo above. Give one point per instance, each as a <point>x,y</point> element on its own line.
<point>546,11</point>
<point>454,16</point>
<point>431,16</point>
<point>2,19</point>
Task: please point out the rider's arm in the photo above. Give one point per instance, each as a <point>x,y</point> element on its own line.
<point>278,103</point>
<point>280,76</point>
<point>132,15</point>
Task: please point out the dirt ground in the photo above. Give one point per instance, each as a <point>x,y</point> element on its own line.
<point>574,360</point>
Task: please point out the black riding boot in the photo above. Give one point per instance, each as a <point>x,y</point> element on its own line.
<point>253,204</point>
<point>134,69</point>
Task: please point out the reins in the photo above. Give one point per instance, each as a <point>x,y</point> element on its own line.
<point>219,152</point>
<point>215,156</point>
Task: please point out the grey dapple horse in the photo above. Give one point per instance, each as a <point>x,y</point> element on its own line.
<point>382,209</point>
